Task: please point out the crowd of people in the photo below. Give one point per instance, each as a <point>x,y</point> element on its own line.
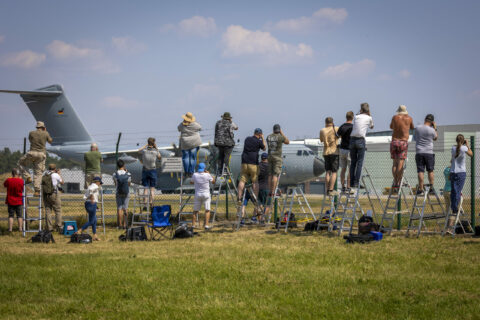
<point>344,148</point>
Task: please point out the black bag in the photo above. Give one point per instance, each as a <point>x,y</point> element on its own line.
<point>465,225</point>
<point>311,226</point>
<point>43,236</point>
<point>81,238</point>
<point>292,223</point>
<point>183,231</point>
<point>365,218</point>
<point>477,231</point>
<point>134,234</point>
<point>360,238</point>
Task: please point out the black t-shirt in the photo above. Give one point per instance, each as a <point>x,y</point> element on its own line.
<point>344,132</point>
<point>251,147</point>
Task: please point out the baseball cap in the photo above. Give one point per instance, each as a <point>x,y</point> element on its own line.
<point>276,128</point>
<point>430,117</point>
<point>264,155</point>
<point>98,179</point>
<point>258,131</point>
<point>201,167</point>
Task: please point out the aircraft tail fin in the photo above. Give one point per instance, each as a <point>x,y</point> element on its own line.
<point>50,105</point>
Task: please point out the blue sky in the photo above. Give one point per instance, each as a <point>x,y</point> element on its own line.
<point>136,67</point>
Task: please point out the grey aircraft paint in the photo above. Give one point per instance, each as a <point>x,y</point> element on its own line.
<point>71,140</point>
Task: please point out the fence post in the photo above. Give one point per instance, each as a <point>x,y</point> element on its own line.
<point>399,208</point>
<point>227,192</point>
<point>472,181</point>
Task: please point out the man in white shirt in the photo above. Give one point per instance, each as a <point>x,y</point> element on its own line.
<point>52,201</point>
<point>201,179</point>
<point>361,123</point>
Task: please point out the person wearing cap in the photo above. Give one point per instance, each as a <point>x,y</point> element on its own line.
<point>93,160</point>
<point>190,142</point>
<point>344,153</point>
<point>150,155</point>
<point>249,168</point>
<point>424,135</point>
<point>361,123</point>
<point>14,199</point>
<point>401,125</point>
<point>36,156</point>
<point>329,138</point>
<point>201,179</point>
<point>91,200</point>
<point>224,140</point>
<point>263,179</point>
<point>275,142</point>
<point>52,202</point>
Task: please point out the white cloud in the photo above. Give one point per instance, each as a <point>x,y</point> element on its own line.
<point>405,74</point>
<point>128,45</point>
<point>350,70</point>
<point>238,41</point>
<point>194,26</point>
<point>119,102</point>
<point>2,38</point>
<point>320,18</point>
<point>64,51</point>
<point>24,59</point>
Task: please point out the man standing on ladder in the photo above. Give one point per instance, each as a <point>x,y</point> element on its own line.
<point>224,140</point>
<point>93,159</point>
<point>344,153</point>
<point>328,136</point>
<point>401,125</point>
<point>275,142</point>
<point>150,155</point>
<point>51,182</point>
<point>424,157</point>
<point>36,156</point>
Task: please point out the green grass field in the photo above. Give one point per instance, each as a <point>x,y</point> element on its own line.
<point>250,274</point>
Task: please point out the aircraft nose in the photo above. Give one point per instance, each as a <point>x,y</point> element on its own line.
<point>318,167</point>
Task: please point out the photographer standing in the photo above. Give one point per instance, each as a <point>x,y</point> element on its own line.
<point>51,182</point>
<point>425,158</point>
<point>458,171</point>
<point>150,155</point>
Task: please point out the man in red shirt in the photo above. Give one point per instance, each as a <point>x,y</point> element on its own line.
<point>14,199</point>
<point>401,125</point>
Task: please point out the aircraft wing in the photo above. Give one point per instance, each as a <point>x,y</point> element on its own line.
<point>34,93</point>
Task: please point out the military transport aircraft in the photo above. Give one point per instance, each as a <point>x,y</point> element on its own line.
<point>71,140</point>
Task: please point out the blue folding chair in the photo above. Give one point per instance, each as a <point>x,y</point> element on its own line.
<point>160,225</point>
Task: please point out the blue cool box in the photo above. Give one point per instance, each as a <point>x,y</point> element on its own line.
<point>377,236</point>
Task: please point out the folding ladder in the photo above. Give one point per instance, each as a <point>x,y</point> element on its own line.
<point>457,220</point>
<point>101,209</point>
<point>418,216</point>
<point>274,197</point>
<point>372,196</point>
<point>34,203</point>
<point>258,210</point>
<point>295,193</point>
<point>390,210</point>
<point>346,212</point>
<point>141,197</point>
<point>227,179</point>
<point>325,219</point>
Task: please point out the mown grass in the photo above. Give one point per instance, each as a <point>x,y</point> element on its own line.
<point>251,274</point>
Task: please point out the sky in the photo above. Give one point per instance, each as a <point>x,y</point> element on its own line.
<point>136,66</point>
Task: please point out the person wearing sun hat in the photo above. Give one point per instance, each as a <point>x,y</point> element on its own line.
<point>190,141</point>
<point>36,156</point>
<point>224,140</point>
<point>401,125</point>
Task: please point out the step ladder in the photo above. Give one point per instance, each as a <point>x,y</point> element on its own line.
<point>395,195</point>
<point>274,197</point>
<point>292,195</point>
<point>258,211</point>
<point>325,219</point>
<point>371,193</point>
<point>457,218</point>
<point>101,208</point>
<point>32,210</point>
<point>418,216</point>
<point>225,178</point>
<point>346,212</point>
<point>141,196</point>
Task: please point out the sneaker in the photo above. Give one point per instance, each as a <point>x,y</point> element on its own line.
<point>254,219</point>
<point>144,209</point>
<point>333,192</point>
<point>431,191</point>
<point>344,190</point>
<point>350,191</point>
<point>242,222</point>
<point>353,190</point>
<point>420,193</point>
<point>207,227</point>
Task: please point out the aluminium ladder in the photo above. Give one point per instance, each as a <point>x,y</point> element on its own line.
<point>325,219</point>
<point>372,196</point>
<point>258,210</point>
<point>35,203</point>
<point>295,193</point>
<point>273,197</point>
<point>225,178</point>
<point>346,212</point>
<point>457,221</point>
<point>418,216</point>
<point>141,197</point>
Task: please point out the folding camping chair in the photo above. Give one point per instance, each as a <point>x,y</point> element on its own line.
<point>160,224</point>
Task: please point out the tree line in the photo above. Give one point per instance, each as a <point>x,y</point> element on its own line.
<point>9,159</point>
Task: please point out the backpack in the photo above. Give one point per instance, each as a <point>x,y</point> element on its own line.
<point>43,236</point>
<point>311,226</point>
<point>134,234</point>
<point>366,225</point>
<point>47,184</point>
<point>81,238</point>
<point>122,183</point>
<point>183,231</point>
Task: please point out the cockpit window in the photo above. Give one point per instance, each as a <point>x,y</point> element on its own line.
<point>299,152</point>
<point>311,152</point>
<point>305,152</point>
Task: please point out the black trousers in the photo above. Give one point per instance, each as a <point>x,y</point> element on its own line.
<point>224,157</point>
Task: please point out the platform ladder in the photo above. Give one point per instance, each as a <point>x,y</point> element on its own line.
<point>186,198</point>
<point>346,212</point>
<point>325,219</point>
<point>224,178</point>
<point>258,210</point>
<point>457,218</point>
<point>418,216</point>
<point>295,193</point>
<point>141,197</point>
<point>391,206</point>
<point>34,203</point>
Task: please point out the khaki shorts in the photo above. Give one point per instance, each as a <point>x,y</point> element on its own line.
<point>89,178</point>
<point>249,172</point>
<point>274,165</point>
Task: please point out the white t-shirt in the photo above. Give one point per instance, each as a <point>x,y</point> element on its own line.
<point>121,172</point>
<point>56,180</point>
<point>458,164</point>
<point>92,189</point>
<point>202,182</point>
<point>361,123</point>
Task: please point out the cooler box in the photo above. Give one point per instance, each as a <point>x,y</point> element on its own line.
<point>69,228</point>
<point>377,236</point>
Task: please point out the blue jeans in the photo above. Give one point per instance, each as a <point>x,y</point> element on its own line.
<point>457,180</point>
<point>92,216</point>
<point>357,153</point>
<point>189,158</point>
